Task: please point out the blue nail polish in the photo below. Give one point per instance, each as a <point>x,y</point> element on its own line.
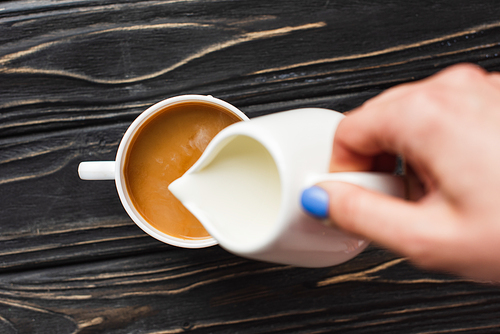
<point>315,202</point>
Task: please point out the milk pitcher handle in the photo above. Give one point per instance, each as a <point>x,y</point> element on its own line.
<point>382,182</point>
<point>97,170</point>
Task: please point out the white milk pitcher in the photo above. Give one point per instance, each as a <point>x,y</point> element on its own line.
<point>245,189</point>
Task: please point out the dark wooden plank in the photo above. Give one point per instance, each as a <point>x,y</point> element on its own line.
<point>73,76</point>
<point>212,291</point>
<point>68,91</point>
<point>85,63</point>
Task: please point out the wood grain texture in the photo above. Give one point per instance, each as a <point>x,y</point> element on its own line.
<point>73,76</point>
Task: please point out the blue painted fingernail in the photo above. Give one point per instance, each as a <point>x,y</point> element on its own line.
<point>315,202</point>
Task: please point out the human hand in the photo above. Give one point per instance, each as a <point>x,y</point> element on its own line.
<point>448,129</point>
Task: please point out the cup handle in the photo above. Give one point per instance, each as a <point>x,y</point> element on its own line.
<point>97,170</point>
<point>382,182</point>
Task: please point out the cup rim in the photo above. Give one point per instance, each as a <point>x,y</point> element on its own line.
<point>120,158</point>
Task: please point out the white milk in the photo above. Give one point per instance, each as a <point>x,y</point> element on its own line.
<point>239,191</point>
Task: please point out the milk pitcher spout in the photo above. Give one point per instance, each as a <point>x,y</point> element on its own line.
<point>181,188</point>
<point>245,189</point>
<point>235,192</point>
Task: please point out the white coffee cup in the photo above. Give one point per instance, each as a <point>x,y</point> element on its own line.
<point>246,188</point>
<point>114,170</point>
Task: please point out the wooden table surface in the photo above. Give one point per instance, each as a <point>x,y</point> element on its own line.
<point>73,76</point>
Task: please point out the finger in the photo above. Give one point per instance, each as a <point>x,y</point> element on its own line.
<point>363,135</point>
<point>350,156</point>
<point>403,120</point>
<point>412,125</point>
<point>368,131</point>
<point>388,221</point>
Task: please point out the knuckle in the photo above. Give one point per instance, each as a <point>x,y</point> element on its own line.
<point>424,115</point>
<point>462,73</point>
<point>425,99</point>
<point>430,250</point>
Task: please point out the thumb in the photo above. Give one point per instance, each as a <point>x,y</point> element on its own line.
<point>386,220</point>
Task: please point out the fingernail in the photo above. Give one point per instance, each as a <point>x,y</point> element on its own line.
<point>315,202</point>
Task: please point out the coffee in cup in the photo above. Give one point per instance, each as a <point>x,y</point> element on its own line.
<point>159,146</point>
